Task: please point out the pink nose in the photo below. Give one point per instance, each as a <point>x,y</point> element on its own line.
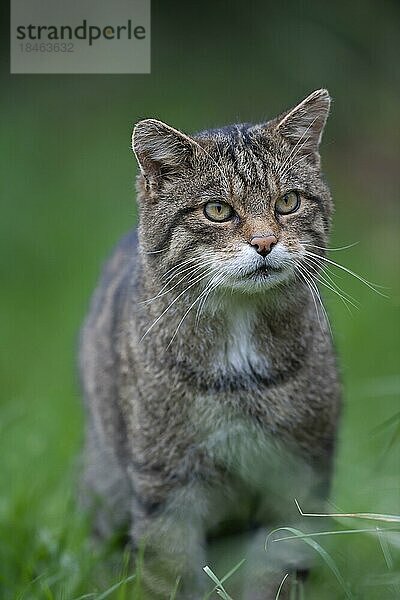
<point>263,244</point>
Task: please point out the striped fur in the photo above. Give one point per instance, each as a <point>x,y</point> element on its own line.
<point>210,408</point>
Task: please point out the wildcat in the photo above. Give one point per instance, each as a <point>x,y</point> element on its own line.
<point>211,385</point>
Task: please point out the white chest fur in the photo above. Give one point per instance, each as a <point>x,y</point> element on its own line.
<point>241,351</point>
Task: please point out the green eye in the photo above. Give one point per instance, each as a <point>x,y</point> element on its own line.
<point>218,211</point>
<point>288,203</point>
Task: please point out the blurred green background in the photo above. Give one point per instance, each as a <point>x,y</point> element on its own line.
<point>68,194</point>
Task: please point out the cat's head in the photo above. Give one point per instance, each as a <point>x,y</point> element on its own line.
<point>235,206</point>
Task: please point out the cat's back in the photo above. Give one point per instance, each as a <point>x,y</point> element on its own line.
<point>103,323</point>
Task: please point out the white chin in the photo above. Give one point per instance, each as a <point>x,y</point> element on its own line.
<point>258,282</point>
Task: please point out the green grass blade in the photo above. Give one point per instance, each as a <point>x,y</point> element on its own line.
<point>219,582</point>
<point>327,533</point>
<point>223,594</point>
<point>278,593</point>
<point>211,575</point>
<point>175,590</point>
<point>219,588</point>
<point>233,570</point>
<point>385,548</point>
<point>371,516</point>
<point>318,548</point>
<point>115,587</point>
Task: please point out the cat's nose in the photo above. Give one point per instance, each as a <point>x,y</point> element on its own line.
<point>263,244</point>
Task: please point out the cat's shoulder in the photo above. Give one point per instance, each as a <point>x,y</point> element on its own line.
<point>124,253</point>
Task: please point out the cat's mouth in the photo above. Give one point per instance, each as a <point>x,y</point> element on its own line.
<point>264,271</point>
<point>258,277</point>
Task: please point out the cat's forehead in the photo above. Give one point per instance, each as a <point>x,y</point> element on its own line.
<point>244,165</point>
<point>241,163</point>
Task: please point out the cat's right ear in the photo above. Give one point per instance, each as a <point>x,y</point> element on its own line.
<point>303,125</point>
<point>161,151</point>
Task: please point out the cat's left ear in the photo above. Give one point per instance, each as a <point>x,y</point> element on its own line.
<point>303,125</point>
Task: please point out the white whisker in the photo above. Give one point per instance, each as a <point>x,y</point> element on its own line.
<point>372,286</point>
<point>292,165</point>
<point>154,251</point>
<point>197,280</point>
<point>186,314</point>
<point>209,289</point>
<point>307,243</point>
<point>314,288</point>
<point>325,279</point>
<point>305,280</point>
<point>293,153</point>
<point>189,272</point>
<point>183,263</point>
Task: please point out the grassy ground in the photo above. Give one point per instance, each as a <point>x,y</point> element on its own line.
<point>67,197</point>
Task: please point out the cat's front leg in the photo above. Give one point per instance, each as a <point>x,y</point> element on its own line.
<point>169,542</point>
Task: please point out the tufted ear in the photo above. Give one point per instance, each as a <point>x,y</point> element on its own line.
<point>161,150</point>
<point>303,125</point>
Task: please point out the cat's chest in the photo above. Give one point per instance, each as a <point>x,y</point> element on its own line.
<point>237,444</point>
<point>242,349</point>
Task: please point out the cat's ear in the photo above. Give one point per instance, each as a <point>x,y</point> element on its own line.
<point>303,125</point>
<point>161,150</point>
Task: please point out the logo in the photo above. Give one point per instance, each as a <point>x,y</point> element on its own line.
<point>92,36</point>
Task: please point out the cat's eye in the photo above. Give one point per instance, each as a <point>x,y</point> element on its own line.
<point>218,211</point>
<point>288,203</point>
